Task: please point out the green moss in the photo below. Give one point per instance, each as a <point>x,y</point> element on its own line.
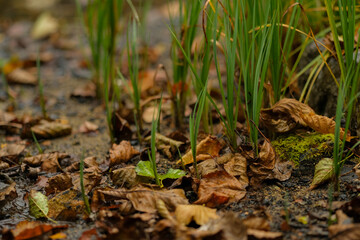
<point>309,146</point>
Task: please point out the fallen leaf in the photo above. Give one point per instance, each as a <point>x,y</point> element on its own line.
<point>90,234</point>
<point>285,115</point>
<point>345,232</point>
<point>260,234</point>
<point>58,183</point>
<point>8,193</point>
<point>44,26</point>
<point>205,167</point>
<point>91,179</point>
<point>167,145</point>
<point>200,214</point>
<point>59,235</point>
<point>49,162</point>
<point>323,125</point>
<point>48,130</point>
<point>144,200</point>
<point>237,167</point>
<point>207,148</point>
<point>269,166</point>
<point>66,206</point>
<point>11,153</point>
<point>21,76</point>
<point>352,208</point>
<point>87,127</point>
<point>32,230</point>
<point>122,153</point>
<point>86,91</point>
<point>219,188</point>
<point>324,171</point>
<point>121,127</point>
<point>124,177</point>
<point>38,204</point>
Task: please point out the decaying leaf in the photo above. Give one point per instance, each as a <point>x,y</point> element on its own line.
<point>167,145</point>
<point>91,179</point>
<point>285,115</point>
<point>87,127</point>
<point>144,199</point>
<point>124,177</point>
<point>66,205</point>
<point>200,214</point>
<point>38,204</point>
<point>58,183</point>
<point>323,124</point>
<point>205,167</point>
<point>218,188</point>
<point>8,193</point>
<point>44,26</point>
<point>207,148</point>
<point>49,162</point>
<point>289,113</point>
<point>237,166</point>
<point>32,230</point>
<point>122,153</point>
<point>269,166</point>
<point>21,76</point>
<point>345,232</point>
<point>10,153</point>
<point>48,130</point>
<point>90,234</point>
<point>122,130</point>
<point>86,91</point>
<point>324,171</point>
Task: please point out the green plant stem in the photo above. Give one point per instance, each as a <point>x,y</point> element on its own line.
<point>85,198</point>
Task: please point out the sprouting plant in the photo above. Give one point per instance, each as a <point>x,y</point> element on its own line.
<point>85,198</point>
<point>189,13</point>
<point>152,156</point>
<point>349,78</point>
<point>108,101</point>
<point>194,125</point>
<point>41,88</point>
<point>37,143</point>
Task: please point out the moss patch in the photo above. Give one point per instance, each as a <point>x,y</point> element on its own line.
<point>309,146</point>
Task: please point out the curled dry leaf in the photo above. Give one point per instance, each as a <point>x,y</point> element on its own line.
<point>345,232</point>
<point>167,145</point>
<point>44,26</point>
<point>91,179</point>
<point>323,124</point>
<point>58,183</point>
<point>205,167</point>
<point>66,205</point>
<point>7,194</point>
<point>285,115</point>
<point>218,188</point>
<point>122,130</point>
<point>206,149</point>
<point>124,177</point>
<point>11,153</point>
<point>237,167</point>
<point>122,153</point>
<point>269,166</point>
<point>32,230</point>
<point>200,214</point>
<point>49,162</point>
<point>144,199</point>
<point>87,127</point>
<point>48,130</point>
<point>21,76</point>
<point>86,91</point>
<point>324,171</point>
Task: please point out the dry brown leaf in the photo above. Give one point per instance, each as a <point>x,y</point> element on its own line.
<point>269,166</point>
<point>205,167</point>
<point>260,234</point>
<point>65,206</point>
<point>44,26</point>
<point>49,162</point>
<point>200,214</point>
<point>122,130</point>
<point>167,145</point>
<point>11,153</point>
<point>86,91</point>
<point>32,230</point>
<point>21,76</point>
<point>258,223</point>
<point>285,115</point>
<point>4,165</point>
<point>206,149</point>
<point>48,130</point>
<point>8,193</point>
<point>218,188</point>
<point>323,124</point>
<point>91,179</point>
<point>58,183</point>
<point>122,153</point>
<point>87,127</point>
<point>345,232</point>
<point>126,177</point>
<point>237,167</point>
<point>144,200</point>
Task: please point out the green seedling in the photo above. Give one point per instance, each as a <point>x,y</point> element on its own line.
<point>349,79</point>
<point>84,196</point>
<point>37,143</point>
